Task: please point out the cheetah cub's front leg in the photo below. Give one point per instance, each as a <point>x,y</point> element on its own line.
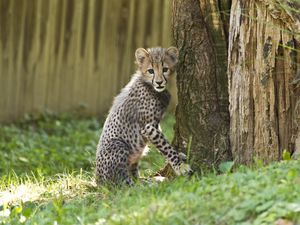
<point>175,159</point>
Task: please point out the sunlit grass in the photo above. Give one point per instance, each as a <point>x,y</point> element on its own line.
<point>245,197</point>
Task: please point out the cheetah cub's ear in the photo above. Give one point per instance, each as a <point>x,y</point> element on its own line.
<point>141,56</point>
<point>172,54</point>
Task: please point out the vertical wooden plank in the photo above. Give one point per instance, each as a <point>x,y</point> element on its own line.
<point>123,27</point>
<point>101,96</point>
<point>79,75</point>
<point>60,62</point>
<point>40,67</point>
<point>140,25</point>
<point>72,54</point>
<point>19,18</point>
<point>1,69</point>
<point>152,38</point>
<point>6,15</point>
<point>5,7</point>
<point>54,27</point>
<point>27,66</point>
<point>65,75</point>
<point>45,39</point>
<point>91,69</point>
<point>112,36</point>
<point>9,92</point>
<point>98,27</point>
<point>128,66</point>
<point>166,31</point>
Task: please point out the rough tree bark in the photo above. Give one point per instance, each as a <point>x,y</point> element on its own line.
<point>202,116</point>
<point>264,79</point>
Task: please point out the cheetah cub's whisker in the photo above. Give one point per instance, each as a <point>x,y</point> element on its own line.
<point>133,120</point>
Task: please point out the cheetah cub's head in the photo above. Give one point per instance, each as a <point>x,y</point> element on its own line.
<point>156,64</point>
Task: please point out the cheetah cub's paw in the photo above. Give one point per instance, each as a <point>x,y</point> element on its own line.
<point>183,169</point>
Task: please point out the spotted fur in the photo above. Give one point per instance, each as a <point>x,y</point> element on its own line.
<point>134,117</point>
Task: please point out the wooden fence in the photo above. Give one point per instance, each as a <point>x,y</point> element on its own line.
<point>62,55</point>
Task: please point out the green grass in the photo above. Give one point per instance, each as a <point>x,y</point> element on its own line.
<point>54,190</point>
<point>48,145</point>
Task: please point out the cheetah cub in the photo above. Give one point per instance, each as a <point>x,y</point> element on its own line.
<point>133,120</point>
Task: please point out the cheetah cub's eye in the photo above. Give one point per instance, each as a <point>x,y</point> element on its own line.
<point>165,69</point>
<point>151,71</point>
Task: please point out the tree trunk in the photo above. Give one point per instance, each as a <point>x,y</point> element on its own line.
<point>264,79</point>
<point>202,116</point>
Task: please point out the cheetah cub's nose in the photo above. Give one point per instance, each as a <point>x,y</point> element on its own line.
<point>159,82</point>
